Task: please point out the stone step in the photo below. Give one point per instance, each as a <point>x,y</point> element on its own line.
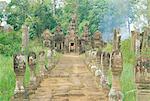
<point>70,80</point>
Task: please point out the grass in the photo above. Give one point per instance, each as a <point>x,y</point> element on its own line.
<point>7,75</point>
<point>127,77</point>
<point>7,78</point>
<point>127,83</point>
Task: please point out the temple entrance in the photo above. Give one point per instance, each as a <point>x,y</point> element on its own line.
<point>72,47</point>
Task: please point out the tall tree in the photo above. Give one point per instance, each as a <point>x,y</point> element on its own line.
<point>148,11</point>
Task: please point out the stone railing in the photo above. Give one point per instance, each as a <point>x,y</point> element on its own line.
<point>141,45</point>
<point>100,63</point>
<point>21,91</point>
<point>142,78</point>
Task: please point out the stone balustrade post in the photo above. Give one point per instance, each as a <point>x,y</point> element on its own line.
<point>49,58</point>
<point>142,79</point>
<point>19,64</point>
<point>133,40</point>
<point>115,93</point>
<point>41,60</point>
<point>105,69</point>
<point>32,66</point>
<point>25,38</point>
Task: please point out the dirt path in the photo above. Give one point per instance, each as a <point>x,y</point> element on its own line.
<point>69,81</point>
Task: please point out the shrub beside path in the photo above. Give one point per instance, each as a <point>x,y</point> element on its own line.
<point>70,80</point>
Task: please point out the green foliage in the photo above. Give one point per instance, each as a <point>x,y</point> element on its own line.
<point>7,78</point>
<point>108,48</point>
<point>7,75</point>
<point>9,43</point>
<point>127,82</point>
<point>38,16</point>
<point>81,25</point>
<point>128,55</point>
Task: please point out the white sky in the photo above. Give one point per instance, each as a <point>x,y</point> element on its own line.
<point>6,0</point>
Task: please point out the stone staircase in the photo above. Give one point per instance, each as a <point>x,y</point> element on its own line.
<point>70,80</point>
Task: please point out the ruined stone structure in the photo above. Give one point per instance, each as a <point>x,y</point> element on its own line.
<point>142,78</point>
<point>136,42</point>
<point>47,38</point>
<point>25,38</point>
<point>142,68</point>
<point>106,62</point>
<point>41,61</point>
<point>133,40</point>
<point>32,66</point>
<point>99,59</point>
<point>71,40</point>
<point>19,69</point>
<point>145,39</point>
<point>97,40</point>
<point>49,58</point>
<point>117,40</point>
<point>84,42</point>
<point>59,39</point>
<point>115,93</point>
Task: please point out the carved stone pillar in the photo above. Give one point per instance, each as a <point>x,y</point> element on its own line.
<point>32,66</point>
<point>25,38</point>
<point>146,40</point>
<point>49,58</point>
<point>105,69</point>
<point>98,58</point>
<point>106,62</point>
<point>115,93</point>
<point>117,39</point>
<point>19,69</point>
<point>47,38</point>
<point>98,72</point>
<point>42,58</point>
<point>142,79</point>
<point>133,40</point>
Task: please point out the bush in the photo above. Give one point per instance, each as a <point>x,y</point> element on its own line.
<point>9,43</point>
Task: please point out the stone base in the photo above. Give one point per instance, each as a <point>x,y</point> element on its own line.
<point>19,97</point>
<point>143,95</point>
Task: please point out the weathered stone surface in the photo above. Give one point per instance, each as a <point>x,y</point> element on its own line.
<point>25,37</point>
<point>117,40</point>
<point>19,69</point>
<point>47,38</point>
<point>79,85</point>
<point>32,66</point>
<point>59,39</point>
<point>115,93</point>
<point>41,62</point>
<point>142,78</point>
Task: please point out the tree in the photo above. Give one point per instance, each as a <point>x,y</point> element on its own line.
<point>37,15</point>
<point>148,11</point>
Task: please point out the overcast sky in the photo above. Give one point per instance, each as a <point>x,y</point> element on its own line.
<point>6,0</point>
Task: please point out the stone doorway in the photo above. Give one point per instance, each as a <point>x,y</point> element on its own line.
<point>72,47</point>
